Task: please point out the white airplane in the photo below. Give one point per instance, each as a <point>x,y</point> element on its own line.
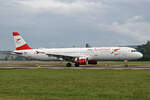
<point>79,56</point>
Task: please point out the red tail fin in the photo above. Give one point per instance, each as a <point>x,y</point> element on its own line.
<point>20,43</point>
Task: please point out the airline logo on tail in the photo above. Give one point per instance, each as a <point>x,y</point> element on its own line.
<point>18,40</point>
<point>20,43</point>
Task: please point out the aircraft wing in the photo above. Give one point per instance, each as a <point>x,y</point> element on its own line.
<point>16,53</point>
<point>64,57</point>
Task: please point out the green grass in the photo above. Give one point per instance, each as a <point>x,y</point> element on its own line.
<point>31,63</point>
<point>74,84</point>
<point>46,63</point>
<point>121,63</point>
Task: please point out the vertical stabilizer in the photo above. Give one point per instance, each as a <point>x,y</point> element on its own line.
<point>19,42</point>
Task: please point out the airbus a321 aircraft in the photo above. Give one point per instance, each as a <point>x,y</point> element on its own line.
<point>79,56</point>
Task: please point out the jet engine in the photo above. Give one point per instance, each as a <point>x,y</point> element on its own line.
<point>92,62</point>
<point>82,61</point>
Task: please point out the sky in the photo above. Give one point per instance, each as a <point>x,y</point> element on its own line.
<point>67,23</point>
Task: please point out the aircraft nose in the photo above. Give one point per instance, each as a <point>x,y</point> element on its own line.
<point>140,55</point>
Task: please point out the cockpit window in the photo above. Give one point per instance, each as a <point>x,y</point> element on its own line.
<point>133,51</point>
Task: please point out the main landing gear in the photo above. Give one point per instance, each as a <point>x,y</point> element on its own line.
<point>76,64</point>
<point>68,65</point>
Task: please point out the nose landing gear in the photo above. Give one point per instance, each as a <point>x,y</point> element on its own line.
<point>126,63</point>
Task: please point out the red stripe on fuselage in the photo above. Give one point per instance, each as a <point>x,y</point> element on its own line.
<point>15,34</point>
<point>24,47</point>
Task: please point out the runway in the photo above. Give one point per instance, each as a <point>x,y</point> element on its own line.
<point>81,67</point>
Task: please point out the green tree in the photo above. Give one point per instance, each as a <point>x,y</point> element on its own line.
<point>145,49</point>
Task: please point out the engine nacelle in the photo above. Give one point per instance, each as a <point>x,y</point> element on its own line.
<point>92,62</point>
<point>82,61</point>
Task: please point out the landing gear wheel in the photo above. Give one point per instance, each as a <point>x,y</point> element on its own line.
<point>68,65</point>
<point>77,64</point>
<point>126,63</point>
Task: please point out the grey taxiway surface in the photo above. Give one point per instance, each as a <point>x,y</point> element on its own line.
<point>81,67</point>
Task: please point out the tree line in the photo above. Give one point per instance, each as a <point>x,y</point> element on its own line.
<point>145,50</point>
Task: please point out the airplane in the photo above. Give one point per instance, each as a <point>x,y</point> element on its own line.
<point>79,56</point>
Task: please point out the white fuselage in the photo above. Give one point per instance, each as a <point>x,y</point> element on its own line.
<point>97,53</point>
